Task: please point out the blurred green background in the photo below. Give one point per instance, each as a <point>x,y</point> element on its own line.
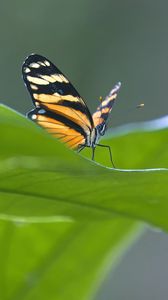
<point>96,44</point>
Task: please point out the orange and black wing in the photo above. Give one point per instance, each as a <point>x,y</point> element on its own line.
<point>59,107</point>
<point>103,110</point>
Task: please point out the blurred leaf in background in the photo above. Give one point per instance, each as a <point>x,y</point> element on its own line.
<point>59,260</point>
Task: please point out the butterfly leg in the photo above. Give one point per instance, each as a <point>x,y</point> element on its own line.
<point>80,148</point>
<point>84,146</point>
<point>93,152</point>
<point>106,146</point>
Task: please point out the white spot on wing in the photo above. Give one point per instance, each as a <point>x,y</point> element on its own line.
<point>60,78</point>
<point>27,70</point>
<point>41,63</point>
<point>47,63</point>
<point>48,78</point>
<point>34,87</point>
<point>36,103</point>
<point>37,80</point>
<point>64,79</point>
<point>54,78</point>
<point>34,65</point>
<point>42,111</point>
<point>34,117</point>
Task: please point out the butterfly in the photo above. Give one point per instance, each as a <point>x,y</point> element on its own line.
<point>61,110</point>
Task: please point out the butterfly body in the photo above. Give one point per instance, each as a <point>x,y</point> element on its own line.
<point>60,109</point>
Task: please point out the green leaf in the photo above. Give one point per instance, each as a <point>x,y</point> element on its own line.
<point>42,181</point>
<point>59,260</point>
<point>40,177</point>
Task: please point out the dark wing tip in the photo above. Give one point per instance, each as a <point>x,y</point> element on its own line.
<point>33,57</point>
<point>115,89</point>
<point>117,86</point>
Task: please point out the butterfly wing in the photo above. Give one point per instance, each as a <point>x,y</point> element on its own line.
<point>60,127</point>
<point>59,107</point>
<point>103,110</point>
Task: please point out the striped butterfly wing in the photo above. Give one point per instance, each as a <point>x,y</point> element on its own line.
<point>103,110</point>
<point>58,106</point>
